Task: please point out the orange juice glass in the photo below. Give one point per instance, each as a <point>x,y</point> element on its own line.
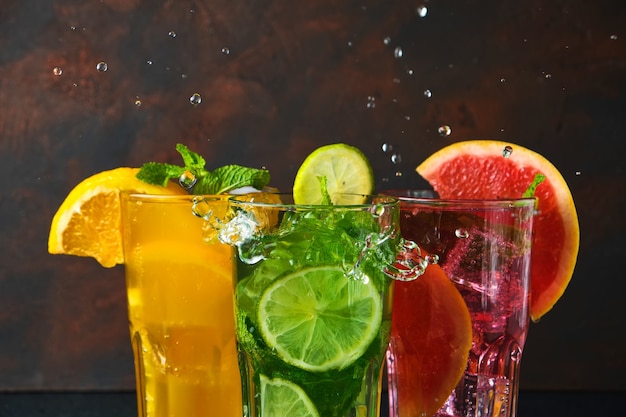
<point>180,306</point>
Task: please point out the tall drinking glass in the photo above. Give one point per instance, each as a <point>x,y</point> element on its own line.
<point>484,247</point>
<point>312,303</point>
<point>180,303</point>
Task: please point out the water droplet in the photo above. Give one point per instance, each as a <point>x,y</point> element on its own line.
<point>432,259</point>
<point>548,76</point>
<point>422,11</point>
<point>507,151</point>
<point>149,62</point>
<point>578,173</point>
<point>409,71</point>
<point>387,147</point>
<point>187,180</point>
<point>138,103</point>
<point>398,52</point>
<point>396,158</point>
<point>183,76</point>
<point>398,173</point>
<point>195,99</point>
<point>73,27</point>
<point>371,102</point>
<point>613,37</point>
<point>102,66</point>
<point>444,130</point>
<point>461,233</point>
<point>226,51</point>
<point>171,34</point>
<point>57,71</point>
<point>502,80</point>
<point>428,93</point>
<point>387,40</point>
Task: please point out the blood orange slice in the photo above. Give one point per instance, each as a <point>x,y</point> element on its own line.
<point>431,339</point>
<point>493,169</point>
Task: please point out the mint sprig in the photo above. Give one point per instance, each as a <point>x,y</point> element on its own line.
<point>530,191</point>
<point>219,181</point>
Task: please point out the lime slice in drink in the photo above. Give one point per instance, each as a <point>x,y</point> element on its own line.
<point>347,170</point>
<point>281,398</point>
<point>318,319</point>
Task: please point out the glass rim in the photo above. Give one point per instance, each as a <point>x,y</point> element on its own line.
<point>173,198</point>
<point>369,201</point>
<point>418,197</point>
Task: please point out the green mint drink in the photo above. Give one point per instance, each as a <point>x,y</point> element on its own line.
<point>313,305</point>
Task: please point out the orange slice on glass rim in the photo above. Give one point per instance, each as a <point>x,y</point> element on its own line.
<point>488,169</point>
<point>88,222</point>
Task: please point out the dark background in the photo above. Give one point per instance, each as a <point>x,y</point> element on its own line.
<point>279,78</point>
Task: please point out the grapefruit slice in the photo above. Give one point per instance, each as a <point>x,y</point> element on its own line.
<point>488,169</point>
<point>431,337</point>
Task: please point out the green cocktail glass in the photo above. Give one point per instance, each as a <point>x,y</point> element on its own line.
<point>313,299</point>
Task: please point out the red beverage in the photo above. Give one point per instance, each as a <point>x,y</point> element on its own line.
<point>484,249</point>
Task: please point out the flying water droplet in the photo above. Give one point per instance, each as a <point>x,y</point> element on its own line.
<point>171,34</point>
<point>102,66</point>
<point>396,158</point>
<point>387,147</point>
<point>398,52</point>
<point>428,93</point>
<point>138,103</point>
<point>187,180</point>
<point>387,40</point>
<point>461,233</point>
<point>149,62</point>
<point>57,71</point>
<point>226,51</point>
<point>613,37</point>
<point>507,151</point>
<point>371,102</point>
<point>195,99</point>
<point>422,11</point>
<point>444,130</point>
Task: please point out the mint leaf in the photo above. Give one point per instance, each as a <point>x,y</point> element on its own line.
<point>221,180</point>
<point>159,174</point>
<point>530,191</point>
<point>231,177</point>
<point>326,200</point>
<point>193,161</point>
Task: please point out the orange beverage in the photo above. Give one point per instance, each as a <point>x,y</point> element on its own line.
<point>180,305</point>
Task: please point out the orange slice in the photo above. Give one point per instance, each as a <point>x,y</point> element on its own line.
<point>492,169</point>
<point>88,222</point>
<point>432,337</point>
